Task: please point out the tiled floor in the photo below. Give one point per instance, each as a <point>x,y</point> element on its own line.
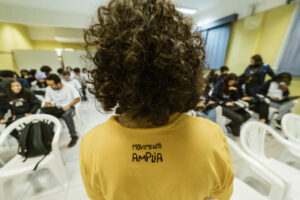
<point>43,186</point>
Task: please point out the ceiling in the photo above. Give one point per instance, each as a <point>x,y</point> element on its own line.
<point>64,19</point>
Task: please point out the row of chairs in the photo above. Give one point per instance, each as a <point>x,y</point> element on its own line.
<point>283,179</point>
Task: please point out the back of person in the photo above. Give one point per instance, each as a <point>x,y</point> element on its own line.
<point>149,70</point>
<point>183,159</point>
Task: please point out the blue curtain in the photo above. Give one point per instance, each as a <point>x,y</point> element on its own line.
<point>216,45</point>
<point>290,61</point>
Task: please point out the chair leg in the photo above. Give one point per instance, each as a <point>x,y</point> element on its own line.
<point>57,168</point>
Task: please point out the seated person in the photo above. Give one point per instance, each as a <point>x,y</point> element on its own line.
<point>39,85</point>
<point>60,72</point>
<point>277,91</point>
<point>256,104</point>
<point>20,101</point>
<point>25,74</point>
<point>211,79</point>
<point>67,79</point>
<point>60,101</point>
<point>224,71</point>
<point>46,69</point>
<point>82,79</point>
<point>225,93</point>
<point>6,75</point>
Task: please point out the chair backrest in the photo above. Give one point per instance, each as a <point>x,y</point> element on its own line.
<point>253,139</point>
<point>278,187</point>
<point>290,124</point>
<point>19,124</point>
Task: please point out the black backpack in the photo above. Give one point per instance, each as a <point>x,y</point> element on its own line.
<point>35,139</point>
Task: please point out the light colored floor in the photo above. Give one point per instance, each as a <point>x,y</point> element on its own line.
<point>43,186</point>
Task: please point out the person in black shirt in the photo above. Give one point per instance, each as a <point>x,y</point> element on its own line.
<point>20,101</point>
<point>225,93</point>
<point>224,71</point>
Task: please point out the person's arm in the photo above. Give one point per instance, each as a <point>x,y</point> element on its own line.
<point>90,181</point>
<point>48,98</point>
<point>3,109</point>
<point>215,96</point>
<point>73,103</point>
<point>270,71</point>
<point>36,104</point>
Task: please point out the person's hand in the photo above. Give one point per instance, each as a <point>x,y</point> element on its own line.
<point>27,114</point>
<point>66,108</point>
<point>283,87</point>
<point>275,98</point>
<point>201,105</point>
<point>246,98</point>
<point>211,102</point>
<point>3,121</point>
<point>232,88</point>
<point>229,104</point>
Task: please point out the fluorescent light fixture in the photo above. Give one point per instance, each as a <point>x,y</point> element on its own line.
<point>187,11</point>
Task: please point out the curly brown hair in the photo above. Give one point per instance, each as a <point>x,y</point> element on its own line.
<point>148,63</point>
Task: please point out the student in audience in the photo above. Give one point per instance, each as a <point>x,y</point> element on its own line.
<point>143,71</point>
<point>258,69</point>
<point>20,101</point>
<point>225,93</point>
<point>46,69</point>
<point>224,71</point>
<point>60,72</point>
<point>85,71</point>
<point>60,101</point>
<point>277,91</point>
<point>67,79</point>
<point>70,70</point>
<point>82,79</point>
<point>25,74</point>
<point>211,78</point>
<point>257,104</point>
<point>39,85</point>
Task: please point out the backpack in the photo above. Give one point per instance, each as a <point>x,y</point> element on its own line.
<point>35,139</point>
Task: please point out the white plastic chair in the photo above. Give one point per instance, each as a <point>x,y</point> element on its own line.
<point>242,191</point>
<point>253,142</point>
<point>290,124</point>
<point>16,167</point>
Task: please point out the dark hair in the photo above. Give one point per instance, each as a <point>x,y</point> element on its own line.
<point>53,77</point>
<point>257,60</point>
<point>212,76</point>
<point>242,79</point>
<point>32,72</point>
<point>148,63</point>
<point>283,75</point>
<point>77,70</point>
<point>60,70</point>
<point>224,68</point>
<point>10,94</point>
<point>46,69</point>
<point>65,73</point>
<point>68,67</point>
<point>24,71</point>
<point>226,80</point>
<point>84,69</point>
<point>7,74</point>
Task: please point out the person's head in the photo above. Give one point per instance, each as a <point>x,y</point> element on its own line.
<point>13,89</point>
<point>46,69</point>
<point>77,71</point>
<point>32,72</point>
<point>24,73</point>
<point>7,75</point>
<point>66,76</point>
<point>85,71</point>
<point>224,70</point>
<point>283,77</point>
<point>148,63</point>
<point>40,76</point>
<point>212,76</point>
<point>54,81</point>
<point>230,80</point>
<point>256,60</point>
<point>245,78</point>
<point>60,71</point>
<point>69,69</point>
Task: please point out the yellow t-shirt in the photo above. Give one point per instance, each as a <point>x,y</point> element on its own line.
<point>186,159</point>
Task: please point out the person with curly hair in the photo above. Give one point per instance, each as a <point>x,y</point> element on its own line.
<point>148,68</point>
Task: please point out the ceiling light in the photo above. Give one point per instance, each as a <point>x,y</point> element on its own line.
<point>186,11</point>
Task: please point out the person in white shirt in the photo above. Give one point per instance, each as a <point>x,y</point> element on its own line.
<point>68,79</point>
<point>82,78</point>
<point>60,101</point>
<point>70,70</point>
